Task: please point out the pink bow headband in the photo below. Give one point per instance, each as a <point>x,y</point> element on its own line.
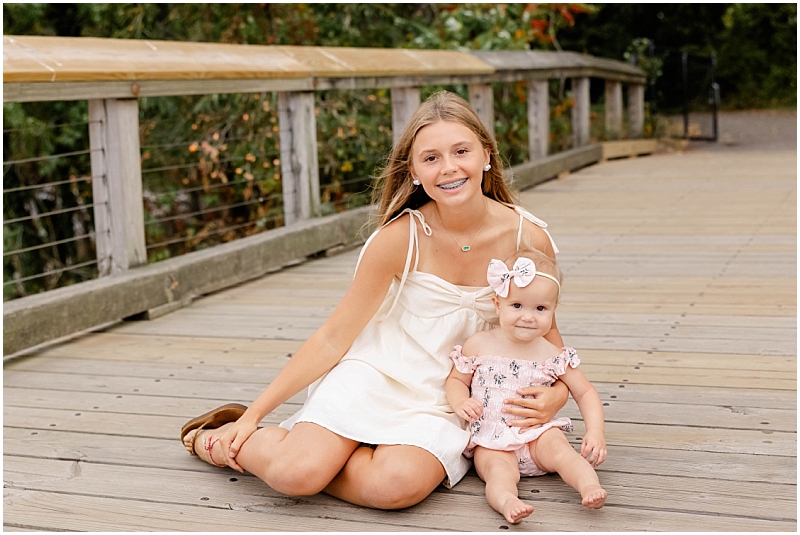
<point>499,276</point>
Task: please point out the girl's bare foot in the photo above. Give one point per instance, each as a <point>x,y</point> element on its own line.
<point>515,509</point>
<point>593,497</point>
<point>196,442</point>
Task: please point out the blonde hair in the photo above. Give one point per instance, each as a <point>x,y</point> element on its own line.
<point>543,263</point>
<point>394,191</point>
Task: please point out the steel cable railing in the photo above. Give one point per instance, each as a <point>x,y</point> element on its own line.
<point>263,221</point>
<point>218,182</point>
<point>48,221</point>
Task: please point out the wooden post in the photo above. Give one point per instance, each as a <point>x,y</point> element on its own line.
<point>613,109</point>
<point>538,119</point>
<point>636,110</point>
<point>117,184</point>
<point>580,112</point>
<point>481,99</point>
<point>405,101</point>
<point>299,160</point>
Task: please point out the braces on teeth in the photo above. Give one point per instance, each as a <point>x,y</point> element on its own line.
<point>453,185</point>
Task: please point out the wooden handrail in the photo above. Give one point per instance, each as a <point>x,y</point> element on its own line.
<point>39,68</point>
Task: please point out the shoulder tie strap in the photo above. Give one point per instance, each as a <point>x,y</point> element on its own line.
<point>524,214</point>
<point>413,247</point>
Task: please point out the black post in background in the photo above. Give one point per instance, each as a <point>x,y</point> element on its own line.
<point>714,95</point>
<point>651,86</point>
<point>685,77</point>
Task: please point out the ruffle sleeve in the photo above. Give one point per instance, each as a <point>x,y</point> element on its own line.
<point>463,364</point>
<point>558,364</point>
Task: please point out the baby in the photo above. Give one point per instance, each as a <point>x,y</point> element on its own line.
<point>495,363</point>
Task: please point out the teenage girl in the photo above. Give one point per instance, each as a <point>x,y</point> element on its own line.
<point>378,365</point>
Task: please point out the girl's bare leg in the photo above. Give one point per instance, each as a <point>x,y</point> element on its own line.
<point>310,459</point>
<point>388,477</point>
<point>553,453</point>
<point>299,462</point>
<point>500,471</point>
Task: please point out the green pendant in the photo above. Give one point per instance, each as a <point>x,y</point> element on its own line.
<point>465,248</point>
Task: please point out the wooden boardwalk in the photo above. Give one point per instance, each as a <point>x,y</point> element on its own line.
<point>679,294</point>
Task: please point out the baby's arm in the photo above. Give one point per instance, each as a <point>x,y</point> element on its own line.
<point>458,395</point>
<point>588,400</point>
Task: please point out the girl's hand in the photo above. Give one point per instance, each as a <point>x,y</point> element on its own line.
<point>233,438</point>
<point>470,409</point>
<point>593,448</point>
<point>539,409</point>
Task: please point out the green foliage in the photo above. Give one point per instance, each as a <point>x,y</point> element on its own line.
<point>638,53</point>
<point>755,44</point>
<point>353,133</point>
<point>758,55</point>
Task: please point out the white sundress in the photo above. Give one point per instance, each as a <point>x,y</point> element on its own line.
<point>389,388</point>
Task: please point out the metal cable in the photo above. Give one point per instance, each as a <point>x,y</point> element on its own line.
<point>345,201</point>
<point>199,188</point>
<point>35,247</point>
<point>51,156</point>
<point>344,182</point>
<point>21,188</point>
<point>211,210</point>
<point>218,231</point>
<point>179,166</point>
<point>9,130</point>
<point>179,143</point>
<point>46,273</point>
<point>54,212</point>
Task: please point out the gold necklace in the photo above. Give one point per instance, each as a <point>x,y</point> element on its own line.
<point>464,248</point>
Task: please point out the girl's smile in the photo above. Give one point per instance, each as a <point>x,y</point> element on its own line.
<point>453,185</point>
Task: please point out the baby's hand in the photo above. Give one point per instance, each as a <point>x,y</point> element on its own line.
<point>593,448</point>
<point>470,409</point>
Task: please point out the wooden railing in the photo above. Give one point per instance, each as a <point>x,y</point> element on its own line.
<point>113,74</point>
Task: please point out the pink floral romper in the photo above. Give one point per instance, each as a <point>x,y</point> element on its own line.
<point>496,378</point>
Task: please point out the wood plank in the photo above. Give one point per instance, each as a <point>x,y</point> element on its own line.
<point>694,308</point>
<point>613,113</point>
<point>538,119</point>
<point>639,370</point>
<point>169,453</point>
<point>50,510</point>
<point>754,442</point>
<point>668,344</point>
<point>712,416</point>
<point>70,512</point>
<point>205,385</point>
<point>481,98</point>
<point>111,347</point>
<point>706,496</point>
<point>299,170</point>
<point>79,60</point>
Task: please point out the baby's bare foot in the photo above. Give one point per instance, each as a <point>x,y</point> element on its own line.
<point>593,497</point>
<point>195,442</point>
<point>515,510</point>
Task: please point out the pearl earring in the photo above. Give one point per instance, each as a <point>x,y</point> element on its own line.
<point>487,167</point>
<point>415,182</point>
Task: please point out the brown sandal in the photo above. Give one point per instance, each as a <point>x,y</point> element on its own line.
<point>212,420</point>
